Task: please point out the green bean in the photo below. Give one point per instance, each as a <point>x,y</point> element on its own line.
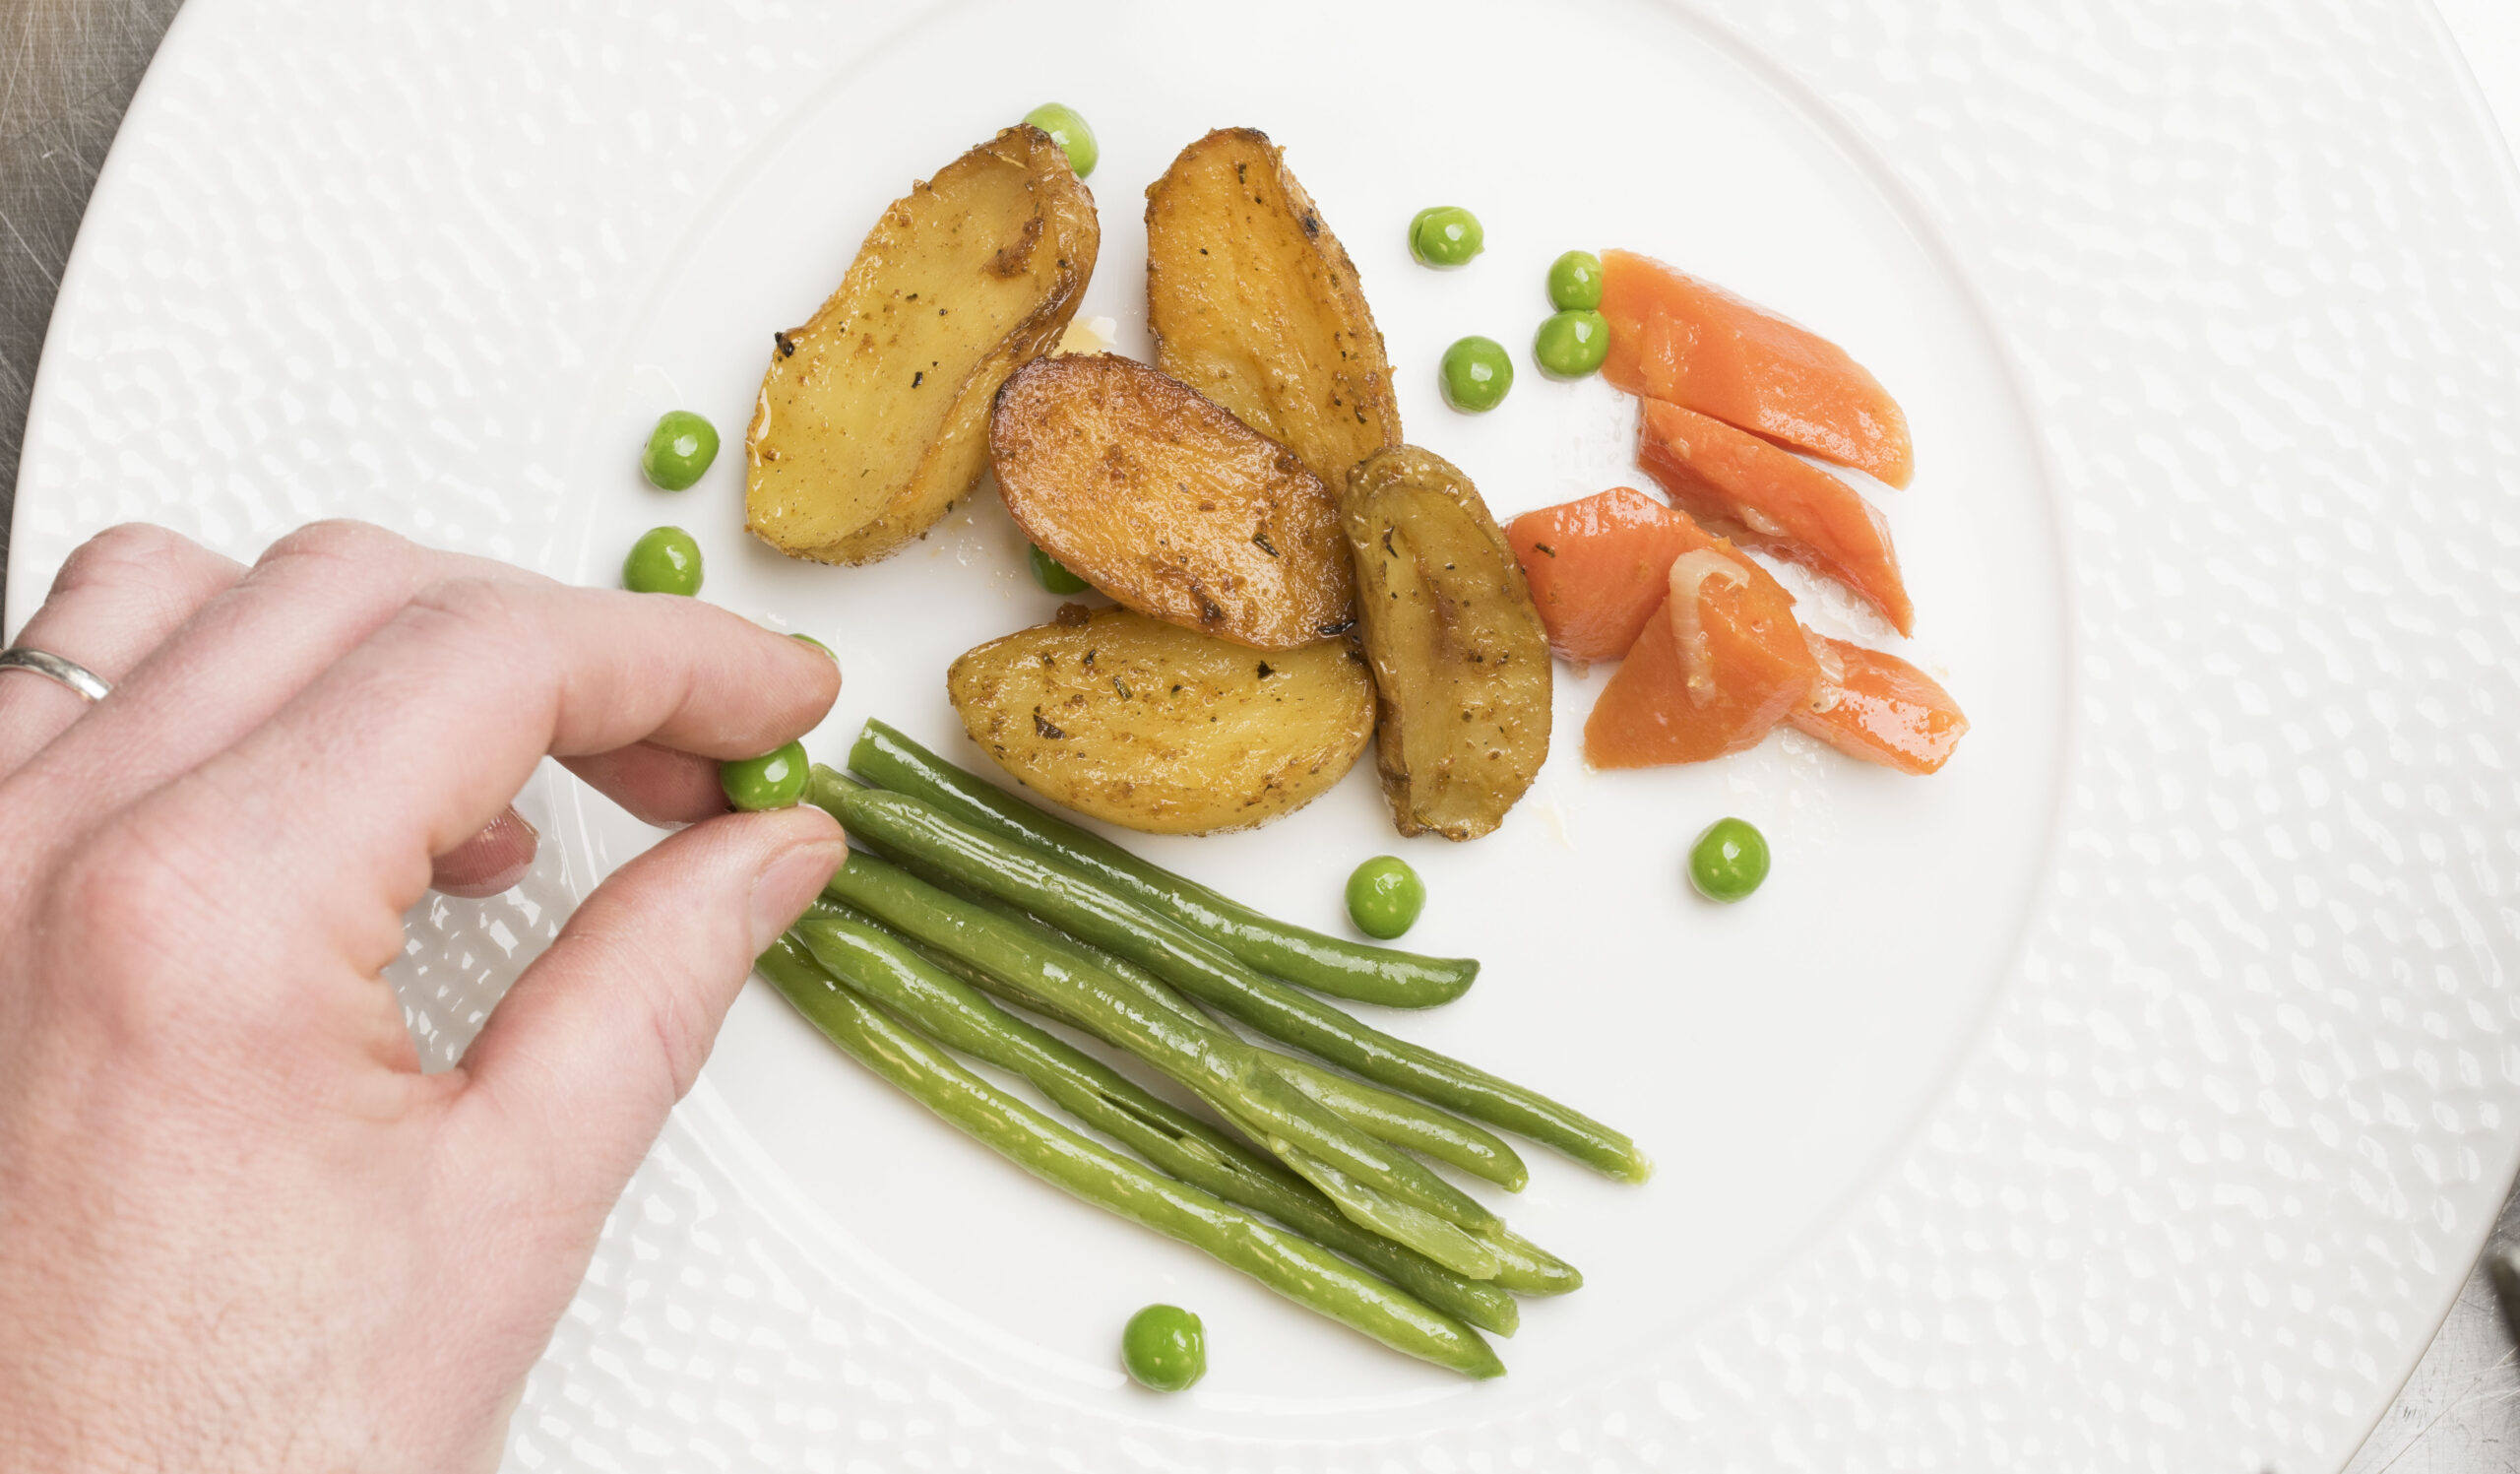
<point>1403,1121</point>
<point>1301,1271</point>
<point>1473,1256</point>
<point>1386,1115</point>
<point>928,991</point>
<point>1325,964</point>
<point>1224,1070</point>
<point>1095,914</point>
<point>1526,1268</point>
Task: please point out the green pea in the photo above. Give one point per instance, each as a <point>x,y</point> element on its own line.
<point>1572,343</point>
<point>774,780</point>
<point>1384,897</point>
<point>664,561</point>
<point>679,449</point>
<point>1445,235</point>
<point>1477,373</point>
<point>817,644</point>
<point>1067,128</point>
<point>1165,1347</point>
<point>1575,282</point>
<point>1728,860</point>
<point>1052,574</point>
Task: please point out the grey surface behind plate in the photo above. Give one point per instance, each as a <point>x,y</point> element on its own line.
<point>67,69</point>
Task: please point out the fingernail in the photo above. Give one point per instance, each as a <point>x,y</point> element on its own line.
<point>781,893</point>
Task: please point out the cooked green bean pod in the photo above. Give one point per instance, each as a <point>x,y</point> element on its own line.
<point>1325,964</point>
<point>926,990</point>
<point>1227,1072</point>
<point>1402,1120</point>
<point>1473,1255</point>
<point>1095,914</point>
<point>1292,1266</point>
<point>1526,1268</point>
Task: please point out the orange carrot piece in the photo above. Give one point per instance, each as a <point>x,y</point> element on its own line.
<point>1673,337</point>
<point>1600,566</point>
<point>1694,689</point>
<point>1879,707</point>
<point>1774,501</point>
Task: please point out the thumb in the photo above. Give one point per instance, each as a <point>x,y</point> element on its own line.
<point>571,1080</point>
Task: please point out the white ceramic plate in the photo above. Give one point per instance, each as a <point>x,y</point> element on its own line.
<point>2134,1094</point>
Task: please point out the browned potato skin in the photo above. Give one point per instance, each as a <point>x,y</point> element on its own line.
<point>1459,655</point>
<point>1255,304</point>
<point>1158,498</point>
<point>1160,729</point>
<point>872,419</point>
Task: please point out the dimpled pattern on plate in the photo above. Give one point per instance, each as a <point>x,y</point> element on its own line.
<point>2247,1098</point>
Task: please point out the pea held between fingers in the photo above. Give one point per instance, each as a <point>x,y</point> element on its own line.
<point>775,780</point>
<point>1164,1348</point>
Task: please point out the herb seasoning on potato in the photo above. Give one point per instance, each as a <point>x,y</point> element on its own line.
<point>1157,496</point>
<point>1163,729</point>
<point>1459,658</point>
<point>869,424</point>
<point>1255,304</point>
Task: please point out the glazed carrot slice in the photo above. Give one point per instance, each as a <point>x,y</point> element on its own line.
<point>1600,566</point>
<point>1673,337</point>
<point>1721,663</point>
<point>1775,502</point>
<point>1879,707</point>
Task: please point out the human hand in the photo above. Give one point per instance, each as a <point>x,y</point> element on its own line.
<point>239,1228</point>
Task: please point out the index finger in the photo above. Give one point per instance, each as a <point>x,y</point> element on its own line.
<point>425,730</point>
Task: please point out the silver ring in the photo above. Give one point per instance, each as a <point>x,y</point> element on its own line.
<point>44,663</point>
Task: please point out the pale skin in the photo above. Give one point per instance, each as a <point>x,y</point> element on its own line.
<point>239,1228</point>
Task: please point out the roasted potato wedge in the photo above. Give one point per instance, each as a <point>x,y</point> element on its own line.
<point>870,421</point>
<point>1161,729</point>
<point>1459,655</point>
<point>1158,498</point>
<point>1255,304</point>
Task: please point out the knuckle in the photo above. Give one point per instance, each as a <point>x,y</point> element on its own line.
<point>130,551</point>
<point>131,879</point>
<point>471,610</point>
<point>130,867</point>
<point>336,539</point>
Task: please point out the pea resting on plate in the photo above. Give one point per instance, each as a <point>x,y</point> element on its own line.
<point>1385,896</point>
<point>679,450</point>
<point>1165,1348</point>
<point>774,780</point>
<point>1445,235</point>
<point>1575,282</point>
<point>1572,343</point>
<point>1477,371</point>
<point>664,561</point>
<point>1067,128</point>
<point>1053,575</point>
<point>1728,860</point>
